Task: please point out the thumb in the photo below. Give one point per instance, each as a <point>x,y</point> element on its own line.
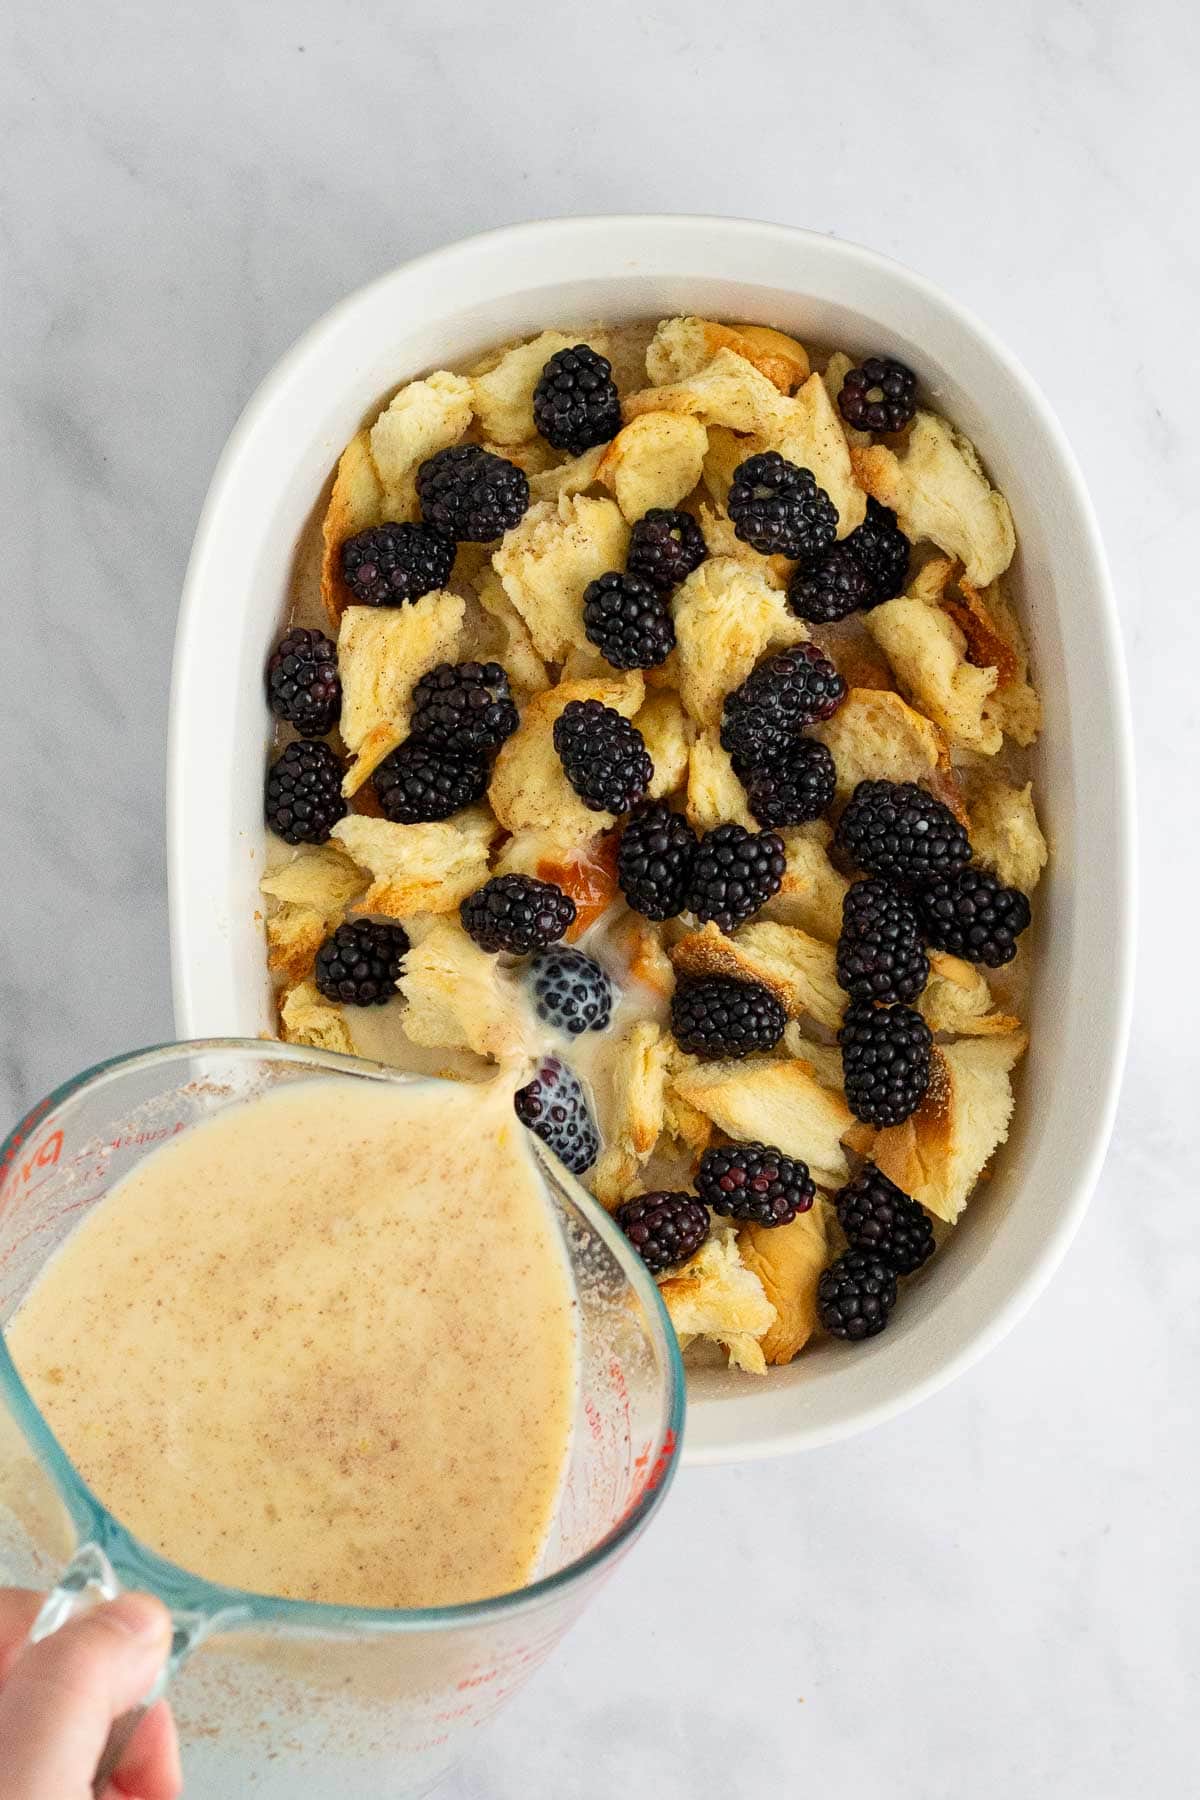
<point>63,1694</point>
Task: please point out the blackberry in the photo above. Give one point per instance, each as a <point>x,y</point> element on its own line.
<point>776,701</point>
<point>855,1295</point>
<point>880,395</point>
<point>896,829</point>
<point>735,872</point>
<point>664,1228</point>
<point>879,1217</point>
<point>360,963</point>
<point>881,550</point>
<point>418,782</point>
<point>554,1107</point>
<point>726,1018</point>
<point>880,955</point>
<point>303,684</point>
<point>654,861</point>
<point>393,563</point>
<point>603,756</point>
<point>304,794</point>
<point>664,547</point>
<point>886,1060</point>
<point>517,913</point>
<point>754,1181</point>
<point>463,706</point>
<point>779,510</point>
<point>794,790</point>
<point>837,586</point>
<point>570,991</point>
<point>575,403</point>
<point>470,495</point>
<point>972,914</point>
<point>628,622</point>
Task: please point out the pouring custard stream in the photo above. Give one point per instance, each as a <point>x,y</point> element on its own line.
<point>321,1345</point>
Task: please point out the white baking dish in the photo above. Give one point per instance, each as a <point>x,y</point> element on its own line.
<point>446,307</point>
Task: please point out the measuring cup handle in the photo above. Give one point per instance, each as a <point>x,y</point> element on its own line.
<point>88,1581</point>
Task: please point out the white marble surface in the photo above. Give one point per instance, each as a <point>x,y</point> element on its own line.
<point>996,1594</point>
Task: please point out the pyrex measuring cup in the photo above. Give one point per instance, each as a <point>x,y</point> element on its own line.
<point>276,1698</point>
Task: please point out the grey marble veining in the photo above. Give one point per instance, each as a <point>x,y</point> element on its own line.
<point>995,1594</point>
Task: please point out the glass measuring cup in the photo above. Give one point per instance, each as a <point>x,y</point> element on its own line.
<point>277,1697</point>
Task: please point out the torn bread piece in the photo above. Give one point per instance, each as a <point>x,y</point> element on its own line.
<point>584,869</point>
<point>801,971</point>
<point>726,617</point>
<point>715,796</point>
<point>788,1260</point>
<point>833,375</point>
<point>938,1155</point>
<point>812,890</point>
<point>633,1117</point>
<point>764,1100</point>
<point>655,460</point>
<point>460,998</point>
<point>419,868</point>
<point>958,1000</point>
<point>876,736</point>
<point>306,1017</point>
<point>729,390</point>
<point>511,644</point>
<point>1005,834</point>
<point>423,418</point>
<point>546,562</point>
<point>928,653</point>
<point>561,479</point>
<point>382,653</point>
<point>502,394</point>
<point>994,638</point>
<point>355,504</point>
<point>312,893</point>
<point>823,1061</point>
<point>667,734</point>
<point>809,433</point>
<point>714,1296</point>
<point>639,944</point>
<point>935,484</point>
<point>680,348</point>
<point>529,791</point>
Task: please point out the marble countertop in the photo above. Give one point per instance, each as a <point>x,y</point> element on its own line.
<point>989,1596</point>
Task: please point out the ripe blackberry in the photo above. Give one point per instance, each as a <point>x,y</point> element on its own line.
<point>721,1017</point>
<point>575,403</point>
<point>664,547</point>
<point>879,1217</point>
<point>554,1107</point>
<point>304,793</point>
<point>880,395</point>
<point>970,913</point>
<point>360,963</point>
<point>880,955</point>
<point>570,991</point>
<point>517,913</point>
<point>896,829</point>
<point>471,495</point>
<point>794,790</point>
<point>881,550</point>
<point>855,1295</point>
<point>754,1181</point>
<point>886,1060</point>
<point>628,621</point>
<point>603,756</point>
<point>303,684</point>
<point>735,872</point>
<point>776,701</point>
<point>664,1228</point>
<point>418,782</point>
<point>393,563</point>
<point>779,510</point>
<point>837,586</point>
<point>654,861</point>
<point>463,706</point>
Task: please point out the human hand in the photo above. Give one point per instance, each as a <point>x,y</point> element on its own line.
<point>59,1698</point>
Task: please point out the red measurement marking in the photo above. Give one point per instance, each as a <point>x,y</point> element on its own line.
<point>17,1169</point>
